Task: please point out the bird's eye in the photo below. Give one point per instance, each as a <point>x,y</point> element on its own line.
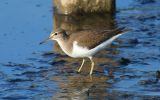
<point>55,33</point>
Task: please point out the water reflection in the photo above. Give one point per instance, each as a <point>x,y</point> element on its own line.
<point>81,87</point>
<point>73,23</point>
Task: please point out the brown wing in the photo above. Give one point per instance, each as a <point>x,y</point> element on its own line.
<point>91,39</point>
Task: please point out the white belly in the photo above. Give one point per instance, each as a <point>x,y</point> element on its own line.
<point>79,51</point>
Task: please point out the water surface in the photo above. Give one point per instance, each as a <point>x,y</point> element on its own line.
<point>128,69</point>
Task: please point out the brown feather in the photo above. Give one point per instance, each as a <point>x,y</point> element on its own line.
<point>91,38</point>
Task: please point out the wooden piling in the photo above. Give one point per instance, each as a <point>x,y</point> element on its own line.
<point>84,6</point>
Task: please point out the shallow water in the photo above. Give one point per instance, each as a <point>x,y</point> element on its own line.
<point>129,69</point>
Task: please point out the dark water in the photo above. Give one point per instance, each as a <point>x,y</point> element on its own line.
<point>129,69</point>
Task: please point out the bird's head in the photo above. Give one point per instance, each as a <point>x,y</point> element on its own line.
<point>56,35</point>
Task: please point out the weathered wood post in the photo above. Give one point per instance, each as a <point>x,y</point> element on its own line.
<point>84,6</point>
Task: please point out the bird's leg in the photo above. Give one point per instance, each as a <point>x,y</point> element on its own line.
<point>92,65</point>
<point>81,65</point>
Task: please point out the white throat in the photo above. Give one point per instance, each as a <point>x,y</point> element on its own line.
<point>64,47</point>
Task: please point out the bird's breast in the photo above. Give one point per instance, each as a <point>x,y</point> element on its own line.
<point>79,51</point>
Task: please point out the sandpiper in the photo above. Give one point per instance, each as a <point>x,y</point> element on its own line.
<point>86,43</point>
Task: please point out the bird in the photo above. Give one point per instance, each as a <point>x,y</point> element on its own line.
<point>85,43</point>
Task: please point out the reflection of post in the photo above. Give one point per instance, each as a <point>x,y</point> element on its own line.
<point>81,22</point>
<point>84,6</point>
<point>82,88</point>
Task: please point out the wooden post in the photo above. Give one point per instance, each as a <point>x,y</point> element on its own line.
<point>84,6</point>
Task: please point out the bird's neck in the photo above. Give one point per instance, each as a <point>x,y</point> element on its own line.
<point>65,45</point>
<point>63,40</point>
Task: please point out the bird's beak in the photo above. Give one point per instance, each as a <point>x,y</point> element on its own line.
<point>46,40</point>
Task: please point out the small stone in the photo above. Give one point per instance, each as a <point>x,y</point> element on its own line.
<point>133,41</point>
<point>124,61</point>
<point>33,86</point>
